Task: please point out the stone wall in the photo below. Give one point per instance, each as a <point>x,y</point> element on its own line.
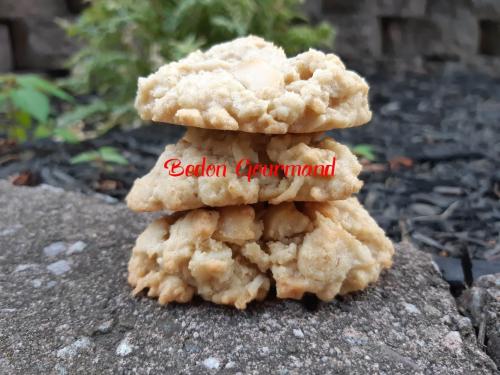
<point>30,38</point>
<point>444,30</point>
<point>456,30</point>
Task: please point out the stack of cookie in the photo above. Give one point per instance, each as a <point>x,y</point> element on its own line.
<point>229,237</point>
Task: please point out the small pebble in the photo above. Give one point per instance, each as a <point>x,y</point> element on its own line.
<point>60,267</point>
<point>425,209</point>
<point>105,327</point>
<point>76,247</point>
<point>124,348</point>
<point>54,249</point>
<point>390,107</point>
<point>453,341</point>
<point>432,311</point>
<point>449,190</point>
<point>298,333</point>
<point>23,267</point>
<point>71,350</point>
<point>211,363</point>
<point>10,230</point>
<point>411,308</point>
<point>61,370</point>
<point>51,283</point>
<point>354,337</point>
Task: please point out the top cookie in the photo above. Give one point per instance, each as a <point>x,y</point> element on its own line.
<point>250,85</point>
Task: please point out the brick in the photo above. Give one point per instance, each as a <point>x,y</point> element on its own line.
<point>32,8</point>
<point>447,7</point>
<point>40,44</point>
<point>436,36</point>
<point>489,9</point>
<point>446,30</point>
<point>357,36</point>
<point>458,34</point>
<point>313,8</point>
<point>399,36</point>
<point>349,7</point>
<point>401,8</point>
<point>6,63</point>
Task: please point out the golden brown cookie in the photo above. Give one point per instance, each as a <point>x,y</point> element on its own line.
<point>231,255</point>
<point>235,179</point>
<point>250,85</point>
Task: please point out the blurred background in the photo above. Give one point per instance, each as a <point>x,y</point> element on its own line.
<point>464,31</point>
<point>431,154</point>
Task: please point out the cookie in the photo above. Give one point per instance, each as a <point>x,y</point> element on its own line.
<point>165,188</point>
<point>250,85</point>
<point>232,255</point>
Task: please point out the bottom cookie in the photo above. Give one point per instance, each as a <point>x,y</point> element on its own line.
<point>231,255</point>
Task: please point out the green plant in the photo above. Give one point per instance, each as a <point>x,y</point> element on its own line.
<point>25,108</point>
<point>103,155</point>
<point>365,151</point>
<point>124,39</point>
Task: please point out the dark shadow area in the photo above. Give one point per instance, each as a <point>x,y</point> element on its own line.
<point>489,37</point>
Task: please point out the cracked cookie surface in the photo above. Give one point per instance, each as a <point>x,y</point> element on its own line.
<point>232,255</point>
<point>158,190</point>
<point>250,85</point>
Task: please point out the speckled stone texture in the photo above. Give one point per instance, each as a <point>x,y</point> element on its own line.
<point>482,304</point>
<point>66,308</point>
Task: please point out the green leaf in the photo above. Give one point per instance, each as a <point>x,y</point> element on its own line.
<point>18,133</point>
<point>22,118</point>
<point>66,135</point>
<point>112,155</point>
<point>80,113</point>
<point>85,157</point>
<point>106,154</point>
<point>365,151</point>
<point>122,40</point>
<point>3,100</point>
<point>227,24</point>
<point>42,131</point>
<point>33,81</point>
<point>32,102</point>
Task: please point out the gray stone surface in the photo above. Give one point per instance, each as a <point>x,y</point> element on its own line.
<point>356,36</point>
<point>487,9</point>
<point>440,35</point>
<point>366,30</point>
<point>6,50</point>
<point>37,42</point>
<point>432,30</point>
<point>40,44</point>
<point>482,304</point>
<point>401,8</point>
<point>458,34</point>
<point>349,7</point>
<point>408,37</point>
<point>66,309</point>
<point>32,8</point>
